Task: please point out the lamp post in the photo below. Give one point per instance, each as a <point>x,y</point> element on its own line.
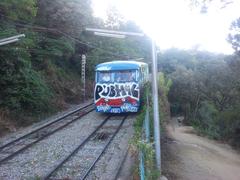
<point>122,34</point>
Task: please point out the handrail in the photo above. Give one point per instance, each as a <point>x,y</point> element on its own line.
<point>145,138</point>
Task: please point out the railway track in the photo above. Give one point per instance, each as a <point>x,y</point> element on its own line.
<point>121,165</point>
<point>19,145</point>
<point>101,137</point>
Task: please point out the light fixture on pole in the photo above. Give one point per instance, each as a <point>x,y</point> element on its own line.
<point>109,35</point>
<point>8,42</point>
<point>11,39</point>
<point>115,32</point>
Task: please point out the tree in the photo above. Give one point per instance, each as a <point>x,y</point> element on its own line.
<point>204,4</point>
<point>234,36</point>
<point>206,89</point>
<point>22,88</point>
<point>114,19</point>
<point>41,72</point>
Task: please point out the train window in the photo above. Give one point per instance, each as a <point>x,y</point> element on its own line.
<point>105,77</point>
<point>137,75</point>
<point>142,72</point>
<point>126,76</point>
<point>117,76</point>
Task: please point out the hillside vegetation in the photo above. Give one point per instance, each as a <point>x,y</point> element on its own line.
<point>206,91</point>
<point>41,73</point>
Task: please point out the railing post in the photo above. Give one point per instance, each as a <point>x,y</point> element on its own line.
<point>141,166</point>
<point>145,138</point>
<point>147,123</point>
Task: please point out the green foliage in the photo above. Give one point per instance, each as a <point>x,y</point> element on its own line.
<point>22,88</point>
<point>67,16</point>
<point>141,145</point>
<point>151,172</point>
<point>19,9</point>
<point>234,36</point>
<point>229,125</point>
<point>223,125</point>
<point>207,120</point>
<point>146,148</point>
<point>23,91</point>
<point>164,84</point>
<point>205,90</point>
<point>41,72</point>
<point>61,47</point>
<point>172,58</point>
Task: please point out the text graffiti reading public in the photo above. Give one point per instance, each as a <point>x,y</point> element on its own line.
<point>117,90</point>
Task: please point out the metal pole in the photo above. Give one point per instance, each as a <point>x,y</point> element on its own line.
<point>155,107</point>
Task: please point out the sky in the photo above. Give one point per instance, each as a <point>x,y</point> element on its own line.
<point>173,23</point>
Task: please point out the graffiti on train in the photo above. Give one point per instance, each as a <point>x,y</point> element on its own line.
<point>117,90</point>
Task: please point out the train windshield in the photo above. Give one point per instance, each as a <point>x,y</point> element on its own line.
<point>117,76</point>
<point>126,76</point>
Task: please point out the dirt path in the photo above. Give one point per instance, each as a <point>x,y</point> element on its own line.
<point>187,156</point>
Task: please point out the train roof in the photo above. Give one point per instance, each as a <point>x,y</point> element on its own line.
<point>119,65</point>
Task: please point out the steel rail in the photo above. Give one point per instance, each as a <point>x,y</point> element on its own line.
<point>120,167</point>
<point>43,137</point>
<point>49,174</point>
<point>46,125</point>
<point>105,148</point>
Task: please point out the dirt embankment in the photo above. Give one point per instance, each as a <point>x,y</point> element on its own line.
<point>187,156</point>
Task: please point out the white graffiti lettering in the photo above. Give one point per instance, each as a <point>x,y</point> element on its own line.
<point>129,108</point>
<point>115,110</point>
<point>117,90</point>
<point>103,108</point>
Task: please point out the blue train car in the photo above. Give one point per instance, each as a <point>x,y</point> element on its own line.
<point>118,86</point>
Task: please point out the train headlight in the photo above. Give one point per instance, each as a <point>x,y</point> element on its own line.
<point>106,100</point>
<point>123,99</point>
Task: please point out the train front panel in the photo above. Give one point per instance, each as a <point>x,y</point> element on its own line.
<point>117,97</point>
<point>118,86</point>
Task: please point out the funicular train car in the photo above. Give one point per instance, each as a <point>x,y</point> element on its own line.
<point>119,85</point>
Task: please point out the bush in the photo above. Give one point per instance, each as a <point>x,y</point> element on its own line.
<point>23,90</point>
<point>224,125</point>
<point>229,125</point>
<point>28,93</point>
<point>147,148</point>
<point>206,121</point>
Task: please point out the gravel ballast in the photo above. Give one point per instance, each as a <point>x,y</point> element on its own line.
<point>38,160</point>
